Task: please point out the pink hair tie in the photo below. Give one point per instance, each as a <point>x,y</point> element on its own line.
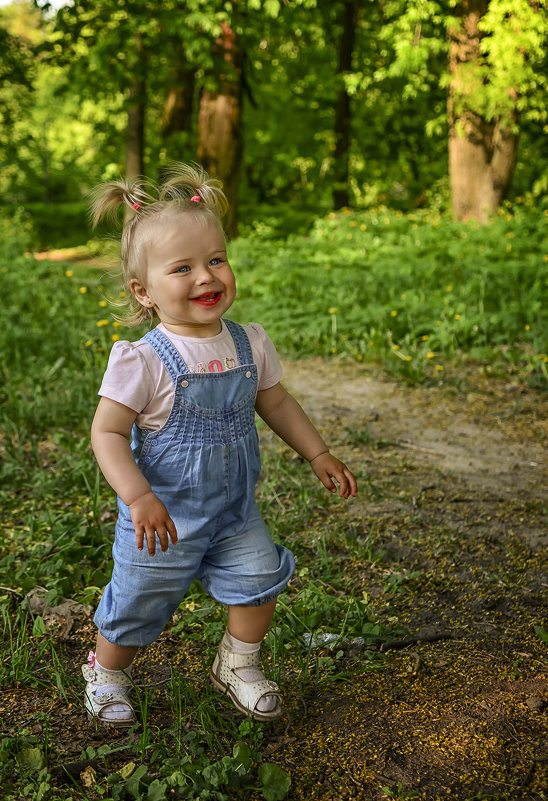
<point>91,659</point>
<point>195,198</point>
<point>136,205</point>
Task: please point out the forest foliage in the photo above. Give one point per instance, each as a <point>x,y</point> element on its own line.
<point>71,78</point>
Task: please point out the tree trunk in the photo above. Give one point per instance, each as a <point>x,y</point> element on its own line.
<point>177,111</point>
<point>135,137</point>
<point>481,153</point>
<point>220,123</point>
<point>343,115</point>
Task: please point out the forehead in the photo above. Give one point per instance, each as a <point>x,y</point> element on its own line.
<point>180,228</point>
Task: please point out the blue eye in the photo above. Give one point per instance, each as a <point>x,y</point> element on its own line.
<point>184,269</point>
<point>214,262</point>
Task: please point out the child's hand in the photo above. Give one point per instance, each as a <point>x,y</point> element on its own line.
<point>327,468</point>
<point>150,517</point>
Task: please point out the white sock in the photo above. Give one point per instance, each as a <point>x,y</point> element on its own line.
<point>115,711</point>
<point>235,646</point>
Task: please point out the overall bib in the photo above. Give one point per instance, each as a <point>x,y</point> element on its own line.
<point>203,464</point>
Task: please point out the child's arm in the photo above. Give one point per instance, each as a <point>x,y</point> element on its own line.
<point>110,432</point>
<point>286,418</point>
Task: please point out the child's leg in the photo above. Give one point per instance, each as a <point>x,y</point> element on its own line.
<point>237,665</point>
<point>250,623</point>
<point>111,656</point>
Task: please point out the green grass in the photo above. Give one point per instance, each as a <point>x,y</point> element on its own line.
<point>410,290</point>
<point>414,293</point>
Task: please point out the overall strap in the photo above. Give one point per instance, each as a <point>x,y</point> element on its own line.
<point>241,342</point>
<point>167,353</point>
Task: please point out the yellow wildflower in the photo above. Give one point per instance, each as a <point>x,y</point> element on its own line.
<point>69,273</point>
<point>101,323</point>
<point>83,290</point>
<point>102,303</point>
<point>430,355</point>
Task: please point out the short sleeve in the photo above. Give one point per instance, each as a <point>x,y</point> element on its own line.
<point>265,356</point>
<point>128,379</point>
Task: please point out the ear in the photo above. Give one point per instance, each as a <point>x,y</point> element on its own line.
<point>140,292</point>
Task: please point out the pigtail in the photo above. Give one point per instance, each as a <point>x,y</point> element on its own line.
<point>107,198</point>
<point>190,183</point>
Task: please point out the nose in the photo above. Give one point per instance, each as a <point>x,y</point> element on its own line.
<point>203,275</point>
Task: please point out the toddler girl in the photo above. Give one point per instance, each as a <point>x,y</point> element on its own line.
<point>187,394</point>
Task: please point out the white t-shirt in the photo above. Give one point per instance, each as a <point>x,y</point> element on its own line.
<point>136,377</point>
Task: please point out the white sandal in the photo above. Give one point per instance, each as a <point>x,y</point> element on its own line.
<point>117,685</point>
<point>245,695</point>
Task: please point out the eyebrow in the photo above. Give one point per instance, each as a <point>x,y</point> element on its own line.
<point>184,260</point>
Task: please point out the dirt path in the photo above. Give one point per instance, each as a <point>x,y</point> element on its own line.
<point>461,510</point>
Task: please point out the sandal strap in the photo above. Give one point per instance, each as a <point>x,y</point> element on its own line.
<point>235,661</point>
<point>249,693</point>
<point>98,676</point>
<point>105,699</point>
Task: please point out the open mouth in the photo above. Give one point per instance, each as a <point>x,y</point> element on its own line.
<point>209,299</point>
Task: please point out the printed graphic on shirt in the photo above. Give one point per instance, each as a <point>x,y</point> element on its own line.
<point>214,366</point>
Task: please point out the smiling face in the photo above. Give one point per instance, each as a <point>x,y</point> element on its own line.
<point>188,280</point>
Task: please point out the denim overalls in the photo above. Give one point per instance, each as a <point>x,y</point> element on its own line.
<point>203,464</point>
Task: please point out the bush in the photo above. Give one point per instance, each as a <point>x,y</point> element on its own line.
<point>57,225</point>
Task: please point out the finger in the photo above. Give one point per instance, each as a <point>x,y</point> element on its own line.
<point>161,532</point>
<point>347,483</point>
<point>151,540</point>
<point>327,481</point>
<point>344,485</point>
<point>352,481</point>
<point>139,537</point>
<point>339,477</point>
<point>172,531</point>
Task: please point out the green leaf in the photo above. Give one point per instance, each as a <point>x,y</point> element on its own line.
<point>31,758</point>
<point>38,627</point>
<point>126,770</point>
<point>132,784</point>
<point>275,782</point>
<point>157,790</point>
<point>542,633</point>
<point>243,757</point>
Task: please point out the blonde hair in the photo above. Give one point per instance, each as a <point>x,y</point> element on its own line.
<point>185,188</point>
